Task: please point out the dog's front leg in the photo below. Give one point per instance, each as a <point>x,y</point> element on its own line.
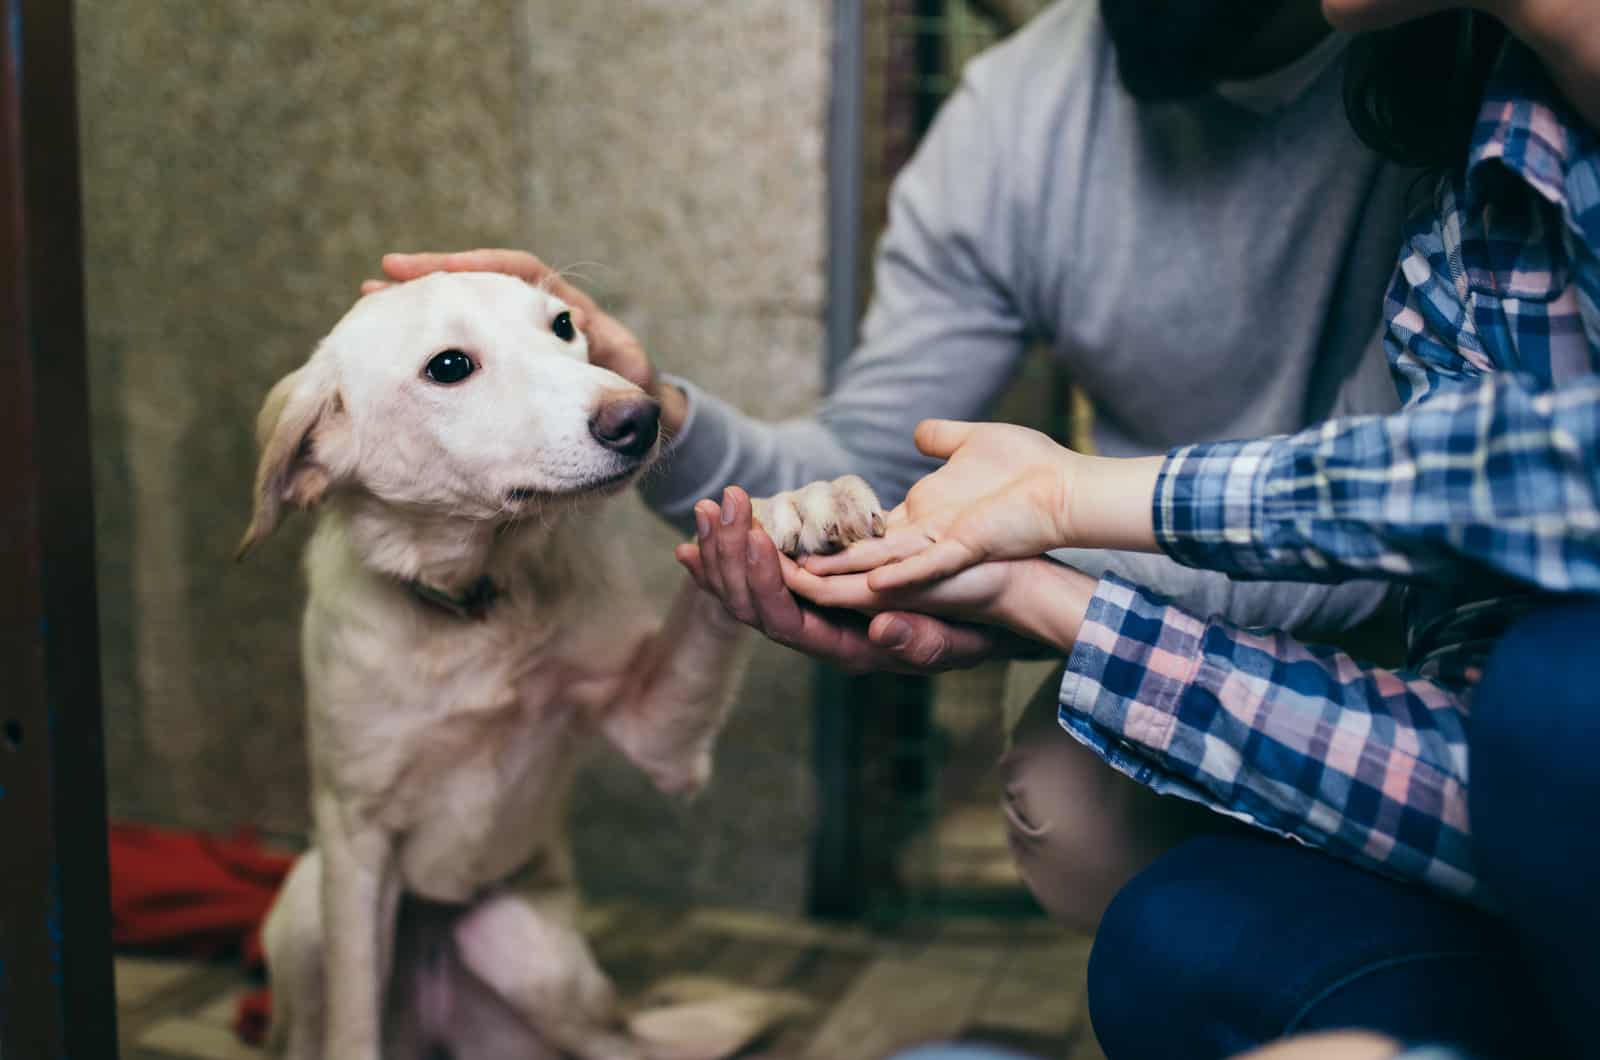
<point>680,683</point>
<point>676,692</point>
<point>360,893</point>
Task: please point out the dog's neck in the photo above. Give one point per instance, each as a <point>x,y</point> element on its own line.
<point>455,564</point>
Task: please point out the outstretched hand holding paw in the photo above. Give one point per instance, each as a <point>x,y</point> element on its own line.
<point>734,558</point>
<point>1004,493</point>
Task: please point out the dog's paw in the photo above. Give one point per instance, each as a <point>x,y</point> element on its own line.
<point>823,517</point>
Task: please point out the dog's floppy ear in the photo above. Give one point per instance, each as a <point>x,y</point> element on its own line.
<point>297,410</point>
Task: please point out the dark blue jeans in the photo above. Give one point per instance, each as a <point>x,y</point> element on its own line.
<point>1233,940</point>
<point>1534,804</point>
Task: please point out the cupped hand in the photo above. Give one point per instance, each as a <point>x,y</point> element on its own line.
<point>978,594</point>
<point>1041,602</point>
<point>733,559</point>
<point>1002,493</point>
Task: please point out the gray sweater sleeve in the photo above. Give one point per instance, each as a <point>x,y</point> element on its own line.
<point>1307,611</point>
<point>943,338</point>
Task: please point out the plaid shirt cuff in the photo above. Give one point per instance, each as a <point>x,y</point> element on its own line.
<point>1207,508</point>
<point>1133,660</point>
<point>1300,741</point>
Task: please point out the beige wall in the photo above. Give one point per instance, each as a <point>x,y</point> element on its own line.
<point>245,163</point>
<point>677,166</point>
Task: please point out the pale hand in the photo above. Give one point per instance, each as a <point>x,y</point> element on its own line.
<point>735,560</point>
<point>1038,600</point>
<point>1000,494</point>
<point>979,593</point>
<point>1005,492</point>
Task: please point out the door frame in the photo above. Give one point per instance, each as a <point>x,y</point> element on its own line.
<point>56,990</point>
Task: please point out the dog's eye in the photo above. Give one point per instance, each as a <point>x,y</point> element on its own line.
<point>562,326</point>
<point>449,367</point>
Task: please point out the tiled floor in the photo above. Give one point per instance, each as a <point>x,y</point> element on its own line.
<point>1012,982</point>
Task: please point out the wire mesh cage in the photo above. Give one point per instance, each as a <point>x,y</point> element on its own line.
<point>907,766</point>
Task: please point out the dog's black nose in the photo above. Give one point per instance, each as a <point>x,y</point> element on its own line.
<point>627,425</point>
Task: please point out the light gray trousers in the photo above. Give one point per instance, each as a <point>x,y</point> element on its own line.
<point>1077,828</point>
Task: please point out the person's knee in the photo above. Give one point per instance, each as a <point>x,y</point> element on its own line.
<point>1120,968</point>
<point>1071,867</point>
<point>1152,954</point>
<point>1079,830</point>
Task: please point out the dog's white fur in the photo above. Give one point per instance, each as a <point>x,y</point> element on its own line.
<point>437,908</point>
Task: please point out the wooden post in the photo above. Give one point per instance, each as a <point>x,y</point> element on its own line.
<point>56,996</point>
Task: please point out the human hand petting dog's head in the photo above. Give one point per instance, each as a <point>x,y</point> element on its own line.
<point>462,395</point>
<point>611,344</point>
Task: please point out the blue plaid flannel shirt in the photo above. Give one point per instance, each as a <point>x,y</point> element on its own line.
<point>1483,494</point>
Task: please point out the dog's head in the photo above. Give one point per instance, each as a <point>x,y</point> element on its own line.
<point>461,394</point>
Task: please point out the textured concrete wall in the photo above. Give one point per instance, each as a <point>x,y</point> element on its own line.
<point>677,167</point>
<point>245,164</point>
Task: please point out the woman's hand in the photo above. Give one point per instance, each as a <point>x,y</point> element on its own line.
<point>1016,476</point>
<point>979,458</point>
<point>980,593</point>
<point>1036,599</point>
<point>1005,492</point>
<point>734,560</point>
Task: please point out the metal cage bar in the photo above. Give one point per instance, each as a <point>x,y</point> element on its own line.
<point>877,753</point>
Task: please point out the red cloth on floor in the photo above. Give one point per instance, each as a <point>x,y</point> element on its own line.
<point>253,1016</point>
<point>183,892</point>
<point>196,895</point>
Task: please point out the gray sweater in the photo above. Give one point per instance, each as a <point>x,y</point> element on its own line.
<point>1206,270</point>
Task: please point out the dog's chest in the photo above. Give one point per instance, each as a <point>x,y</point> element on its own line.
<point>484,791</point>
<point>458,737</point>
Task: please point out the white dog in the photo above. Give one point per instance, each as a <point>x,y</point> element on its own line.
<point>470,630</point>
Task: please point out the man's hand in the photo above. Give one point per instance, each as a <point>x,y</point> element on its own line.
<point>737,562</point>
<point>1004,493</point>
<point>611,345</point>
